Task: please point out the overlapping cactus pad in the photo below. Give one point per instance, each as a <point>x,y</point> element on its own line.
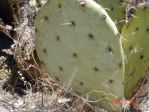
<point>136,34</point>
<point>79,44</point>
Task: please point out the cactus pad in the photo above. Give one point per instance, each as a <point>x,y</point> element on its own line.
<point>136,34</point>
<point>78,43</point>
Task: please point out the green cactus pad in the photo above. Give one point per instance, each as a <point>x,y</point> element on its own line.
<point>78,43</point>
<point>136,34</point>
<point>116,10</point>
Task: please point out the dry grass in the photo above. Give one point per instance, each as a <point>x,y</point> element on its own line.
<point>41,95</point>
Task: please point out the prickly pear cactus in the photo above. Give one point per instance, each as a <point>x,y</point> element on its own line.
<point>80,46</point>
<point>135,44</point>
<point>116,10</point>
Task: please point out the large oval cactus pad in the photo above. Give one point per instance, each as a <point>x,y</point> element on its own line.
<point>77,40</point>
